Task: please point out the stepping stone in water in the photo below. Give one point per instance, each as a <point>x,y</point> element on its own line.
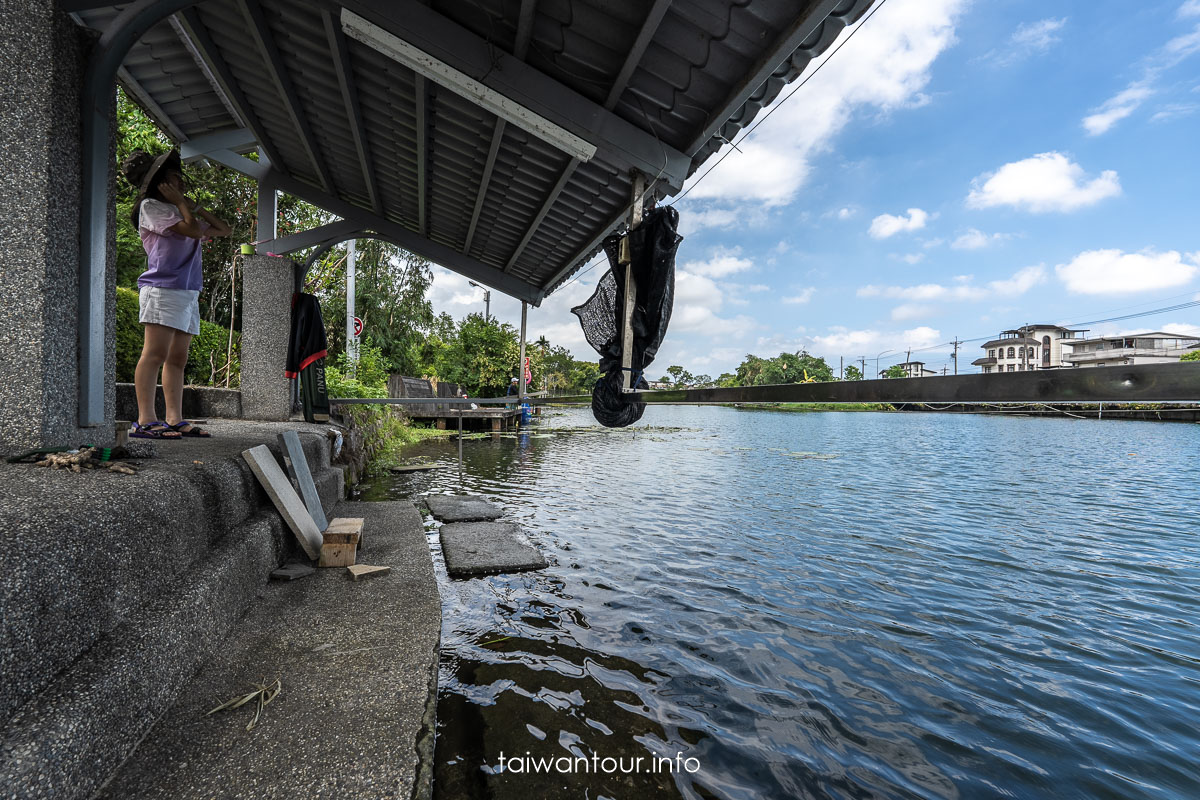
<point>461,508</point>
<point>483,548</point>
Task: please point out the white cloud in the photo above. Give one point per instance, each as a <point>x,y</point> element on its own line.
<point>803,297</point>
<point>1044,182</point>
<point>1116,272</point>
<point>722,263</point>
<point>1174,111</point>
<point>913,258</point>
<point>963,290</point>
<point>1021,282</point>
<point>843,341</point>
<point>1190,8</point>
<point>884,67</point>
<point>1038,35</point>
<point>907,311</point>
<point>886,225</point>
<point>975,239</point>
<point>846,213</point>
<point>1117,108</point>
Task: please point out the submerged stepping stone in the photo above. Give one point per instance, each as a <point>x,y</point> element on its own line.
<point>485,548</point>
<point>461,508</point>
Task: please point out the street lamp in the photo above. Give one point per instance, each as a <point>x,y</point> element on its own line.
<point>487,301</point>
<point>884,353</point>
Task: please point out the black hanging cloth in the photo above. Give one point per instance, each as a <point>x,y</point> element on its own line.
<point>652,247</point>
<point>306,356</point>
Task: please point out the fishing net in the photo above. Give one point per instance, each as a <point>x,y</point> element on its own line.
<point>652,248</point>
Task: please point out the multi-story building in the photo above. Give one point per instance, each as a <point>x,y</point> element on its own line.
<point>912,369</point>
<point>1139,348</point>
<point>1028,347</point>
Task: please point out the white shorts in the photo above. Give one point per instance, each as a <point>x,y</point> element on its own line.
<point>174,308</point>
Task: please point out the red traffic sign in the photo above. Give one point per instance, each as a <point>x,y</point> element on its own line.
<point>357,326</point>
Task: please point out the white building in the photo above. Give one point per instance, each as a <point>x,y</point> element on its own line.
<point>912,369</point>
<point>1028,347</point>
<point>1139,348</point>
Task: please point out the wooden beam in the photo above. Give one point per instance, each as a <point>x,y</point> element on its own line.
<point>484,181</point>
<point>345,75</point>
<point>566,174</point>
<point>634,56</point>
<point>421,88</point>
<point>280,76</point>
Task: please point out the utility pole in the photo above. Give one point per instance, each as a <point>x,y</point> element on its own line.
<point>955,356</point>
<point>841,368</point>
<point>863,360</point>
<point>351,335</point>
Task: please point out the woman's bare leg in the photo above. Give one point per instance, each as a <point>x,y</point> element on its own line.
<point>155,347</point>
<point>172,376</point>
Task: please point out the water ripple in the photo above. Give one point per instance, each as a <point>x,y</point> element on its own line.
<point>830,605</point>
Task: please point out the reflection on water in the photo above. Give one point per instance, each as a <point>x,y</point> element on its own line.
<point>827,605</point>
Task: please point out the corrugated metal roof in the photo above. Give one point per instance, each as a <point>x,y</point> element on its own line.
<point>678,76</point>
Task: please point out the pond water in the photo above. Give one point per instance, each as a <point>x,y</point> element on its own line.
<point>780,605</point>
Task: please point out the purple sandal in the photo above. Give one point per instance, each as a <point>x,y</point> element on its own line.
<point>192,429</point>
<point>154,430</point>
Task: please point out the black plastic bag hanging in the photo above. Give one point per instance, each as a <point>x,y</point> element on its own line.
<point>652,247</point>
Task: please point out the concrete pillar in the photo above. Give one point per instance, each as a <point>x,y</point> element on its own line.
<point>267,285</point>
<point>42,58</point>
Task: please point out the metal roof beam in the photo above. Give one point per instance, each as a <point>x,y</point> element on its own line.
<point>582,253</point>
<point>567,172</point>
<point>334,231</point>
<point>621,143</point>
<point>345,76</point>
<point>261,31</point>
<point>147,103</point>
<point>241,140</point>
<point>421,88</point>
<point>524,29</point>
<point>484,181</point>
<point>397,234</point>
<point>634,56</point>
<point>809,17</point>
<point>195,38</point>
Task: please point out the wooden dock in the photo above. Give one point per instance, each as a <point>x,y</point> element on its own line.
<point>446,415</point>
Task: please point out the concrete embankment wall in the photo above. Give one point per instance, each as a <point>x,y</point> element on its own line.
<point>117,588</point>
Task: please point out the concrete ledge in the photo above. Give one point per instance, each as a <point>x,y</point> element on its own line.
<point>116,589</point>
<point>200,402</point>
<point>357,663</point>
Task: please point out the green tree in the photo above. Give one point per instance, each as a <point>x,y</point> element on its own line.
<point>853,373</point>
<point>1192,356</point>
<point>895,371</point>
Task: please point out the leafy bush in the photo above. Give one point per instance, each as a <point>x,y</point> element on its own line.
<point>1192,356</point>
<point>369,380</point>
<point>209,358</point>
<point>129,334</point>
<point>206,358</point>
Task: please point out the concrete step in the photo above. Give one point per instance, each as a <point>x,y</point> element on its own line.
<point>117,589</point>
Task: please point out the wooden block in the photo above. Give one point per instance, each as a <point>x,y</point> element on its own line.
<point>279,489</point>
<point>298,466</point>
<point>343,530</point>
<point>340,554</point>
<point>366,571</point>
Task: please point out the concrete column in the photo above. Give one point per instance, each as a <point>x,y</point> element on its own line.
<point>267,285</point>
<point>42,58</point>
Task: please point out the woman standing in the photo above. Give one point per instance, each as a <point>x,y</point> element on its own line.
<point>171,226</point>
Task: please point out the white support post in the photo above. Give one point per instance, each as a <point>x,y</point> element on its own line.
<point>521,366</point>
<point>635,219</point>
<point>351,336</point>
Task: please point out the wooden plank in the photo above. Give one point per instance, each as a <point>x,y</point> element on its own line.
<point>289,441</point>
<point>417,467</point>
<point>366,571</point>
<point>337,555</point>
<point>280,490</point>
<point>344,530</point>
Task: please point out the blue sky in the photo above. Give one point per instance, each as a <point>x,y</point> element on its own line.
<point>956,169</point>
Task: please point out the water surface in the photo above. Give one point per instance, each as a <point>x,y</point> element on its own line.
<point>828,605</point>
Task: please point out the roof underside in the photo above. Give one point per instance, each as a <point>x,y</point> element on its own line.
<point>657,87</point>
